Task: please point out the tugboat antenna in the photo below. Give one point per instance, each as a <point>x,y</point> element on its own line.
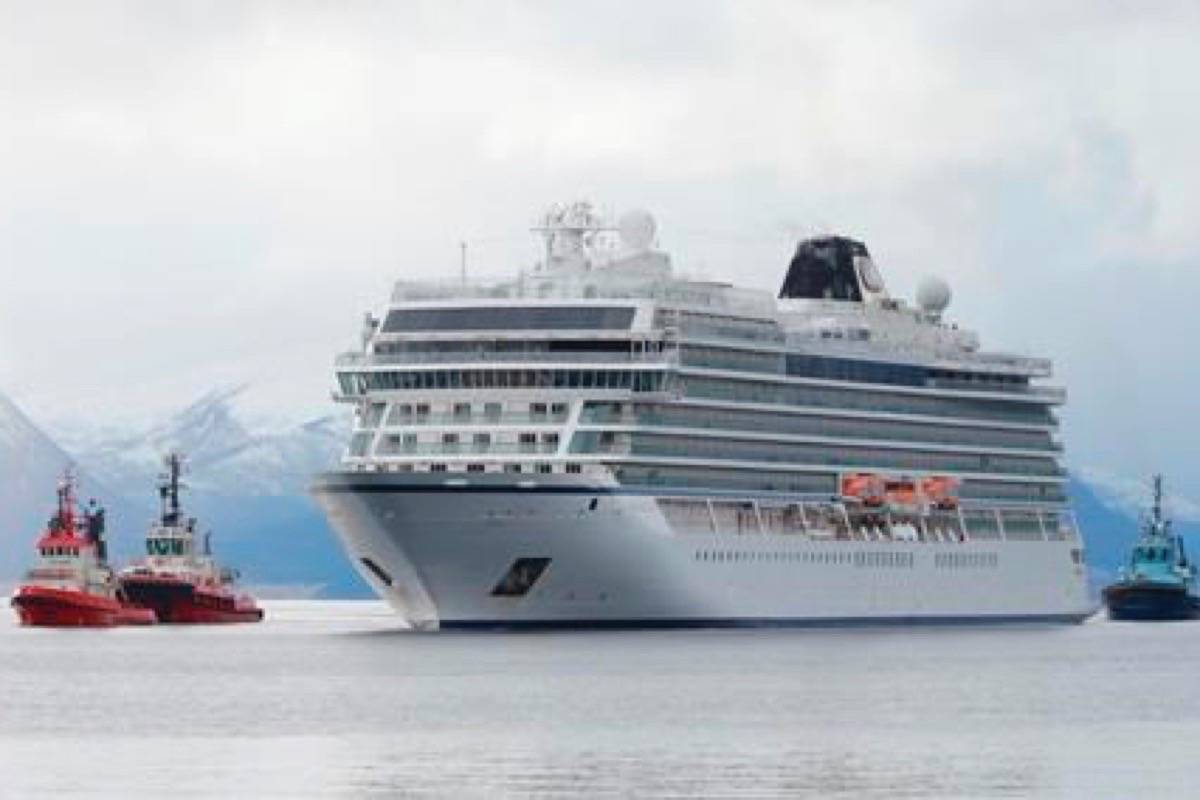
<point>168,491</point>
<point>1157,512</point>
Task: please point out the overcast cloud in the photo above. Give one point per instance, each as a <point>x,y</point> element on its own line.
<point>197,194</point>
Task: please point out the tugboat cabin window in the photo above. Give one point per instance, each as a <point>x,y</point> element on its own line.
<point>164,547</point>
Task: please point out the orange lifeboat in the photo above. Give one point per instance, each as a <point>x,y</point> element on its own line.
<point>940,491</point>
<point>863,487</point>
<point>901,493</point>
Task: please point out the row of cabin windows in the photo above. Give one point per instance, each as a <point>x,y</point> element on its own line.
<point>510,346</point>
<point>721,327</point>
<point>665,415</point>
<point>871,559</point>
<point>966,560</point>
<point>486,438</point>
<point>694,447</point>
<point>405,412</point>
<point>50,552</point>
<point>845,369</point>
<point>410,442</point>
<point>749,391</point>
<point>848,369</point>
<point>516,469</point>
<point>357,383</point>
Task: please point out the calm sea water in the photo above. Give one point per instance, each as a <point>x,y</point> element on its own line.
<point>328,699</point>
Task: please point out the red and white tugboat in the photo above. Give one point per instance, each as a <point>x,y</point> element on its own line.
<point>181,584</point>
<point>72,584</point>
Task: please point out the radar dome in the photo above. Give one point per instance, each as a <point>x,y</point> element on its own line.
<point>933,295</point>
<point>636,229</point>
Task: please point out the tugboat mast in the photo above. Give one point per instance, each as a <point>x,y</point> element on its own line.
<point>168,490</point>
<point>1159,526</point>
<point>64,520</point>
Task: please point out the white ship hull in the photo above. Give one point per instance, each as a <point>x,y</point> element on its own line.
<point>436,548</point>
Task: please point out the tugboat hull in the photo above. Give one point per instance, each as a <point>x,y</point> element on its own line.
<point>1149,602</point>
<point>177,601</point>
<point>42,606</point>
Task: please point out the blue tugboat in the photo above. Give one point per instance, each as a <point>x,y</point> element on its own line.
<point>1159,583</point>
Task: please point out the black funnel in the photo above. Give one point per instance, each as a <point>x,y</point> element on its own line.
<point>823,269</point>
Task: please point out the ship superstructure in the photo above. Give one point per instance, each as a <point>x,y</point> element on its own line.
<point>600,441</point>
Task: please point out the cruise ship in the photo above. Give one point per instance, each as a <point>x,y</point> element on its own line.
<point>602,442</point>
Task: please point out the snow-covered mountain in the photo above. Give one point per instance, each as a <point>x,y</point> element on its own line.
<point>31,464</point>
<point>247,474</point>
<point>1131,496</point>
<point>230,450</point>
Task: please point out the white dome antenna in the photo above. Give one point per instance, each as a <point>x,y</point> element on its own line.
<point>636,229</point>
<point>933,295</point>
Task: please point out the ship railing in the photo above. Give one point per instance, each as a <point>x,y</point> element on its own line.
<point>950,461</point>
<point>474,420</point>
<point>1052,393</point>
<point>573,358</point>
<point>444,449</point>
<point>601,416</point>
<point>835,520</point>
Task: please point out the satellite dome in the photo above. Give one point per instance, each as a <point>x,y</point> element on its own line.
<point>933,295</point>
<point>636,228</point>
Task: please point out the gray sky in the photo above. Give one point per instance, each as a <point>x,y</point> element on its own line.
<point>198,194</point>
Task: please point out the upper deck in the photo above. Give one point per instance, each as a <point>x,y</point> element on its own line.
<point>599,298</point>
<point>601,360</point>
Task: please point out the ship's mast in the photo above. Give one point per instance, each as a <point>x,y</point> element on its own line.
<point>168,490</point>
<point>66,503</point>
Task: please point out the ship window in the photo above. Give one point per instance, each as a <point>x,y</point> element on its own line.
<point>545,469</point>
<point>422,409</point>
<point>437,467</point>
<point>550,438</point>
<point>509,318</point>
<point>520,577</point>
<point>516,468</point>
<point>537,409</point>
<point>462,410</point>
<point>483,439</point>
<point>492,410</point>
<point>449,438</point>
<point>527,438</point>
<point>574,469</point>
<point>474,467</point>
<point>559,409</point>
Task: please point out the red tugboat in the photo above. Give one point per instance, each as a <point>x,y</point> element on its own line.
<point>180,584</point>
<point>72,584</point>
